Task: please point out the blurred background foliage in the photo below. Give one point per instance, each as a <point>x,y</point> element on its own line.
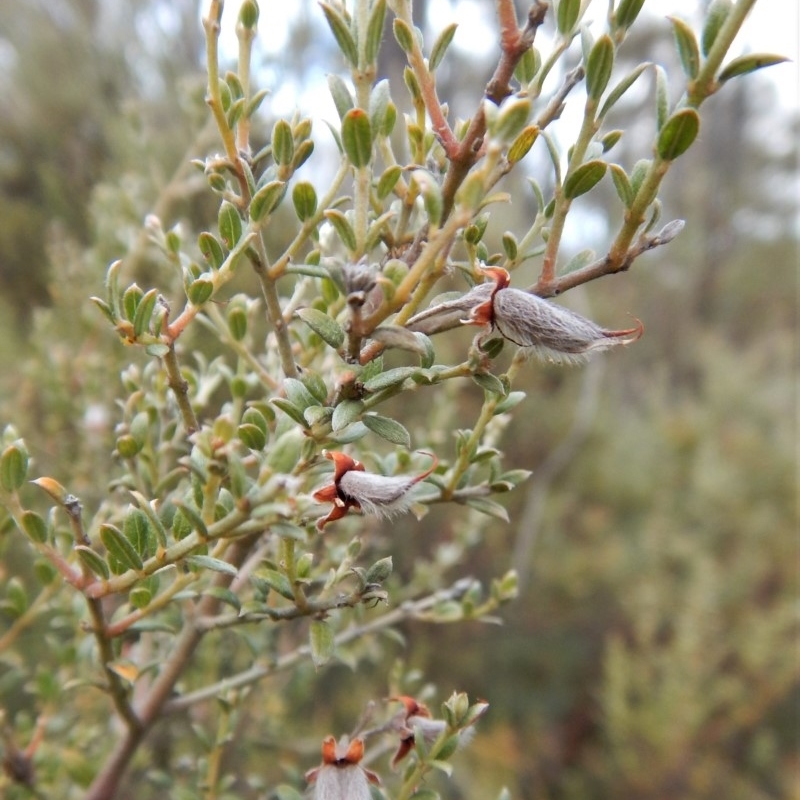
<point>653,651</point>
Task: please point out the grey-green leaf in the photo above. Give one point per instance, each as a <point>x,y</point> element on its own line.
<point>688,49</point>
<point>346,412</point>
<point>678,134</point>
<point>327,328</point>
<point>440,46</point>
<point>214,564</point>
<point>585,177</point>
<point>342,33</point>
<point>749,63</point>
<point>599,66</point>
<point>388,429</point>
<point>321,641</point>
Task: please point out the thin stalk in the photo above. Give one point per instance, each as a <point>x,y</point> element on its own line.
<point>705,84</point>
<point>180,388</point>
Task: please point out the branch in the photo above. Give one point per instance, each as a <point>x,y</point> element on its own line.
<point>408,610</point>
<point>107,782</point>
<point>608,264</point>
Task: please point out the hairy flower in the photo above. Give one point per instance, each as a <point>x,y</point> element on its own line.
<point>543,328</point>
<point>354,487</point>
<point>536,325</point>
<point>340,776</point>
<point>415,719</point>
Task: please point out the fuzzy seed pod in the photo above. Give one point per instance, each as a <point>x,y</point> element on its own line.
<point>542,328</point>
<point>341,776</point>
<point>353,487</point>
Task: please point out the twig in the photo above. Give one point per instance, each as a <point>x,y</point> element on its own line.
<point>180,388</point>
<point>608,264</point>
<point>106,783</point>
<point>408,610</point>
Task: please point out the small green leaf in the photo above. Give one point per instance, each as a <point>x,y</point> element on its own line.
<point>508,403</point>
<point>13,466</point>
<point>15,601</point>
<point>440,46</point>
<point>375,31</point>
<point>188,514</point>
<point>490,383</point>
<point>34,526</point>
<point>388,429</point>
<point>638,174</point>
<point>130,301</point>
<point>122,555</point>
<point>327,328</point>
<point>140,596</point>
<point>391,377</point>
<point>622,184</point>
<point>620,89</point>
<point>200,291</point>
<point>251,436</point>
<point>678,134</point>
<point>237,321</point>
<point>716,15</point>
<point>610,139</point>
<point>662,97</point>
<point>512,117</point>
<point>342,227</point>
<point>403,34</point>
<point>357,137</point>
<point>626,13</point>
<point>144,312</point>
<point>211,249</point>
<point>156,349</point>
<point>304,198</point>
<point>106,309</point>
<point>522,144</point>
<point>321,641</point>
<point>248,14</point>
<point>388,181</point>
<point>282,143</point>
<point>688,50</point>
<point>379,100</point>
<point>291,411</point>
<point>297,393</point>
<point>342,33</point>
<point>489,507</point>
<point>266,200</point>
<point>229,223</point>
<point>342,98</point>
<point>302,154</point>
<point>345,413</point>
<point>276,581</point>
<point>214,564</point>
<point>93,561</point>
<point>567,13</point>
<point>527,66</point>
<point>599,66</point>
<point>139,533</point>
<point>585,177</point>
<point>749,63</point>
<point>224,595</point>
<point>379,571</point>
<point>510,245</point>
